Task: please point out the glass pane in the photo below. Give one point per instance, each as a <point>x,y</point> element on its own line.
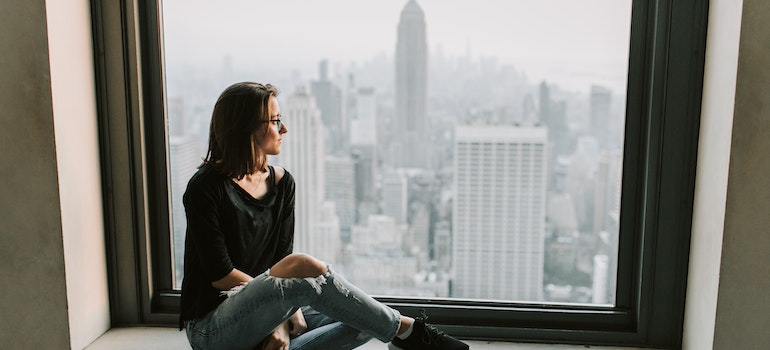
<point>460,149</point>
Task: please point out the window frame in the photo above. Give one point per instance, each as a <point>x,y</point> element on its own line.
<point>665,78</point>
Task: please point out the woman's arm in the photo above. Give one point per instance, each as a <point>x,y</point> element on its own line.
<point>234,278</point>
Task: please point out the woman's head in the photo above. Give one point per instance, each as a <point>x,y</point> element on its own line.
<point>244,129</point>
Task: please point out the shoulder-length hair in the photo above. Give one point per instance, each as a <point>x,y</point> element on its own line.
<point>238,123</point>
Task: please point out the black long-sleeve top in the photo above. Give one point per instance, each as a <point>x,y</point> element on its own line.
<point>228,228</point>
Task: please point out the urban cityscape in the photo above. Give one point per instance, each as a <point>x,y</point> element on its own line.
<point>427,174</point>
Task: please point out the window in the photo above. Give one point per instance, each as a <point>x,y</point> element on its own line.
<point>664,74</point>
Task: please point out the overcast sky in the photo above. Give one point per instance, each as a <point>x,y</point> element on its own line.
<point>575,35</point>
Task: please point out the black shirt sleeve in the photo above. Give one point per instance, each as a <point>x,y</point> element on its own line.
<point>203,204</point>
<point>286,218</point>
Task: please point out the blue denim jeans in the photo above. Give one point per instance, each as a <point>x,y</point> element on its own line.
<point>346,317</point>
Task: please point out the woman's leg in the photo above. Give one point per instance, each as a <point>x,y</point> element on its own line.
<point>251,314</point>
<point>325,333</point>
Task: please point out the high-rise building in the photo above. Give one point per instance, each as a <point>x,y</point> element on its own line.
<point>410,127</point>
<point>601,98</point>
<point>329,100</point>
<point>499,212</point>
<point>183,163</point>
<point>363,141</point>
<point>394,196</point>
<point>340,177</point>
<point>302,155</point>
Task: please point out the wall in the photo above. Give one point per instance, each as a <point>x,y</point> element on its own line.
<point>51,203</point>
<point>33,297</point>
<point>77,153</point>
<point>727,304</point>
<point>743,307</point>
<point>712,171</point>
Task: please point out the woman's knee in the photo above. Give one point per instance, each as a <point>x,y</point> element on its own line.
<point>298,266</point>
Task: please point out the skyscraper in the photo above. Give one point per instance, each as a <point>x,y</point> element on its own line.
<point>499,212</point>
<point>363,141</point>
<point>329,100</point>
<point>303,156</point>
<point>410,137</point>
<point>601,98</point>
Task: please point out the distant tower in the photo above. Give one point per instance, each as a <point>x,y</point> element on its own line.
<point>394,196</point>
<point>183,163</point>
<point>363,142</point>
<point>601,98</point>
<point>410,122</point>
<point>329,100</point>
<point>500,176</point>
<point>340,174</point>
<point>303,156</point>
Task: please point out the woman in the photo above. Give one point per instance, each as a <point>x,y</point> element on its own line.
<point>243,287</point>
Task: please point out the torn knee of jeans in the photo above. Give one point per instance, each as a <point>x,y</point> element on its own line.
<point>288,282</point>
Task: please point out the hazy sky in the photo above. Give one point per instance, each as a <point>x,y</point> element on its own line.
<point>574,35</point>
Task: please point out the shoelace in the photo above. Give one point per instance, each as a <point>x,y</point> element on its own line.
<point>432,334</point>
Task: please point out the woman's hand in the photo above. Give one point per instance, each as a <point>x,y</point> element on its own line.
<point>297,324</point>
<point>278,340</point>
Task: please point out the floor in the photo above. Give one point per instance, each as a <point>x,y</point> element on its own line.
<point>158,338</point>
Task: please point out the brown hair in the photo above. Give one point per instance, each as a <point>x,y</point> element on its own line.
<point>238,122</point>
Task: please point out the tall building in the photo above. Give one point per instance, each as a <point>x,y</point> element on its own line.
<point>183,163</point>
<point>410,146</point>
<point>601,98</point>
<point>329,100</point>
<point>394,196</point>
<point>339,188</point>
<point>302,155</point>
<point>363,141</point>
<point>499,212</point>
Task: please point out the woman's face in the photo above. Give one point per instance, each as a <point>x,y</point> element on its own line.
<point>271,142</point>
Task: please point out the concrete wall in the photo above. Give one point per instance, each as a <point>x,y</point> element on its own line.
<point>729,279</point>
<point>712,171</point>
<point>743,306</point>
<point>51,203</point>
<point>77,152</point>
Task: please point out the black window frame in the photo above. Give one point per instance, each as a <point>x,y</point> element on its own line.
<point>665,78</point>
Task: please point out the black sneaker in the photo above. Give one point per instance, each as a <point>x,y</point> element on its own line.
<point>426,337</point>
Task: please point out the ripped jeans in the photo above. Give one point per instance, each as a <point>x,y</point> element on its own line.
<point>348,317</point>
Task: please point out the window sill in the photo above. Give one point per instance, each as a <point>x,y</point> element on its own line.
<point>157,338</point>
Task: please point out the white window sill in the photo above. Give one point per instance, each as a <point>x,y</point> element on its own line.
<point>159,338</point>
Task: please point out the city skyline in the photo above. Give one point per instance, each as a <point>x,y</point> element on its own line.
<point>551,219</point>
<point>564,41</point>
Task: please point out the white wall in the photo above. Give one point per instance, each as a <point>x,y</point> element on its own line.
<point>77,154</point>
<point>712,171</point>
<point>729,276</point>
<point>52,261</point>
<point>743,307</point>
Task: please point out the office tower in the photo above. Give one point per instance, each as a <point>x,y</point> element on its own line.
<point>185,157</point>
<point>601,98</point>
<point>363,141</point>
<point>377,244</point>
<point>499,212</point>
<point>340,189</point>
<point>329,100</point>
<point>395,196</point>
<point>599,280</point>
<point>579,180</point>
<point>442,244</point>
<point>327,240</point>
<point>410,128</point>
<point>553,114</point>
<point>302,155</point>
